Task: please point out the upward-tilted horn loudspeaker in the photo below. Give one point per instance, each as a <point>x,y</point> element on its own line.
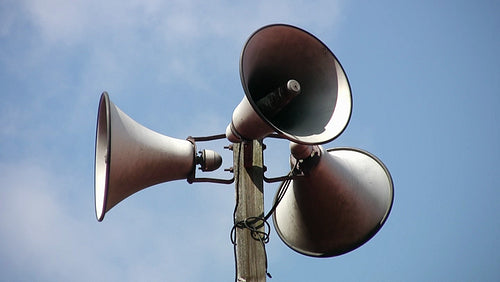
<point>294,86</point>
<point>343,198</point>
<point>130,157</point>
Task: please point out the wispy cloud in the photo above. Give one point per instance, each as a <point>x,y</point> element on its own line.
<point>46,234</point>
<point>73,21</point>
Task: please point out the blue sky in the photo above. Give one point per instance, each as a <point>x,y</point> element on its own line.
<point>425,85</point>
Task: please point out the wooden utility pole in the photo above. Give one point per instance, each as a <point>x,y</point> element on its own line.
<point>249,173</point>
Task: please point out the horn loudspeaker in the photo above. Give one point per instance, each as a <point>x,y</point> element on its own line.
<point>130,157</point>
<point>294,86</point>
<point>341,201</point>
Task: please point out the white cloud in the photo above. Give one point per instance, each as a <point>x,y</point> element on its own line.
<point>48,234</point>
<point>38,234</point>
<point>74,21</point>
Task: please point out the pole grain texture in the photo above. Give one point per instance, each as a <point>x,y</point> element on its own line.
<point>249,172</point>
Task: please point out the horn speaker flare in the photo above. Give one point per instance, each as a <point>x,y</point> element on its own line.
<point>341,201</point>
<point>130,157</point>
<point>294,86</point>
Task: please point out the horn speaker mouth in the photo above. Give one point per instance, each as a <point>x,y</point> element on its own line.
<point>277,53</point>
<point>102,156</point>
